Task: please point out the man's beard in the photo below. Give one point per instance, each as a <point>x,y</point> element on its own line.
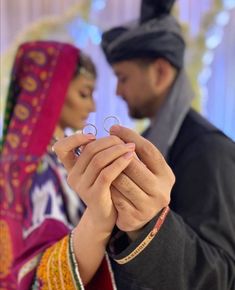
<point>136,113</point>
<point>146,110</point>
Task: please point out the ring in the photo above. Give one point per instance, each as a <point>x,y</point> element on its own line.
<point>109,122</point>
<point>89,129</point>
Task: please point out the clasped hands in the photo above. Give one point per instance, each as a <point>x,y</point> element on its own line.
<point>123,179</point>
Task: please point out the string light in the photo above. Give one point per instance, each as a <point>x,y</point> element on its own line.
<point>82,31</point>
<point>214,37</point>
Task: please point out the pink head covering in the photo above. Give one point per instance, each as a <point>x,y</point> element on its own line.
<point>41,74</point>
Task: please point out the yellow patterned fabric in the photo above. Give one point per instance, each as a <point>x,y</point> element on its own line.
<point>56,271</point>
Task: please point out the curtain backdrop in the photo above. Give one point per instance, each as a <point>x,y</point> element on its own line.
<point>217,101</point>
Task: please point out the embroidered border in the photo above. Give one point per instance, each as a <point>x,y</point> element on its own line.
<point>54,270</point>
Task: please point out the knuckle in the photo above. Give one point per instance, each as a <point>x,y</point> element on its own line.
<point>114,139</point>
<point>121,180</point>
<point>148,149</point>
<point>120,204</point>
<point>97,162</point>
<point>57,148</point>
<point>104,177</point>
<point>89,148</point>
<point>165,199</point>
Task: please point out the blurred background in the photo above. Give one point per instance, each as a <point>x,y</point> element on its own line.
<point>209,27</point>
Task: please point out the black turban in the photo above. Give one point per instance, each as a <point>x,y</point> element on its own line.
<point>157,34</point>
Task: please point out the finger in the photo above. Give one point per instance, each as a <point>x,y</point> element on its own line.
<point>136,170</point>
<point>64,148</point>
<point>127,219</point>
<point>145,150</point>
<point>90,150</point>
<point>131,191</point>
<point>104,158</point>
<point>111,172</point>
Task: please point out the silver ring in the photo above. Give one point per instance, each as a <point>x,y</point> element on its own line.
<point>109,122</point>
<point>89,129</point>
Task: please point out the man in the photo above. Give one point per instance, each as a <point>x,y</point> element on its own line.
<point>195,248</point>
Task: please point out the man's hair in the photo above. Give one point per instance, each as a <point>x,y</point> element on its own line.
<point>144,62</point>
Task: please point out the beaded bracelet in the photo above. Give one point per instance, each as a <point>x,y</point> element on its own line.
<point>147,239</point>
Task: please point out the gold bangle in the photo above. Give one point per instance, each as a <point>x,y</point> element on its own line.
<point>147,239</point>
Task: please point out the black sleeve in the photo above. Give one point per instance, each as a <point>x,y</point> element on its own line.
<point>195,248</point>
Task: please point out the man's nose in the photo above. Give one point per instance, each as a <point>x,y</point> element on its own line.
<point>118,90</point>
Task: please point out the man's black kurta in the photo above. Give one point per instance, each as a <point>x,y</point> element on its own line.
<point>195,248</point>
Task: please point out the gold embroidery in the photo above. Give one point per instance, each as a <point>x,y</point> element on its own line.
<point>29,84</point>
<point>54,269</point>
<point>51,50</point>
<point>35,102</point>
<point>6,257</point>
<point>19,208</point>
<point>22,112</point>
<point>43,75</point>
<point>15,182</point>
<point>13,140</point>
<point>38,57</point>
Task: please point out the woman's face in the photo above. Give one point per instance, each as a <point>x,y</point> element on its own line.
<point>78,103</point>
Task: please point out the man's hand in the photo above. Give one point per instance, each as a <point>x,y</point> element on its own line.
<point>141,191</point>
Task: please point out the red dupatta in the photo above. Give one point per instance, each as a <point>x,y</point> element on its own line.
<point>40,77</point>
<point>41,74</point>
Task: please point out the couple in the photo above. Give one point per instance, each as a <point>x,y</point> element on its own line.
<point>121,223</point>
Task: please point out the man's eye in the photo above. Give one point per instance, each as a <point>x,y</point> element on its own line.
<point>122,79</point>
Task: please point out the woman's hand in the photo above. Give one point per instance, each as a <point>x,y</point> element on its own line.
<point>92,173</point>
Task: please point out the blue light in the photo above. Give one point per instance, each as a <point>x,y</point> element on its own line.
<point>208,57</point>
<point>95,34</point>
<point>229,4</point>
<point>79,31</point>
<point>222,18</point>
<point>215,37</point>
<point>98,4</point>
<point>204,75</point>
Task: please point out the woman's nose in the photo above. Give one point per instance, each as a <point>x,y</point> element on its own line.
<point>92,106</point>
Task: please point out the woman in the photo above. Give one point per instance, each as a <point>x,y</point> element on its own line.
<point>51,89</point>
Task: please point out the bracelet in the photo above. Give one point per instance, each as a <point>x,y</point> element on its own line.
<point>147,239</point>
<point>73,261</point>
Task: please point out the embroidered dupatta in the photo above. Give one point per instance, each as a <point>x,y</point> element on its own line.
<point>40,77</point>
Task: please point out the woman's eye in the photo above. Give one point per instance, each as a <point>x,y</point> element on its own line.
<point>83,95</point>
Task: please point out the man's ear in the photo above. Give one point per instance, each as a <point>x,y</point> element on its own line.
<point>165,75</point>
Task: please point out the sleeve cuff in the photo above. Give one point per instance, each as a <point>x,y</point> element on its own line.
<point>57,268</point>
<point>135,248</point>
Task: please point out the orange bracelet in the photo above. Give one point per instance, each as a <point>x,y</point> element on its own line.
<point>147,240</point>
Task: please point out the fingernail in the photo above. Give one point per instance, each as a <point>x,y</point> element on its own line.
<point>114,129</point>
<point>90,136</point>
<point>79,132</point>
<point>128,155</point>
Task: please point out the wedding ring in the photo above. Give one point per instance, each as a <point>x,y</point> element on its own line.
<point>89,129</point>
<point>109,122</point>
